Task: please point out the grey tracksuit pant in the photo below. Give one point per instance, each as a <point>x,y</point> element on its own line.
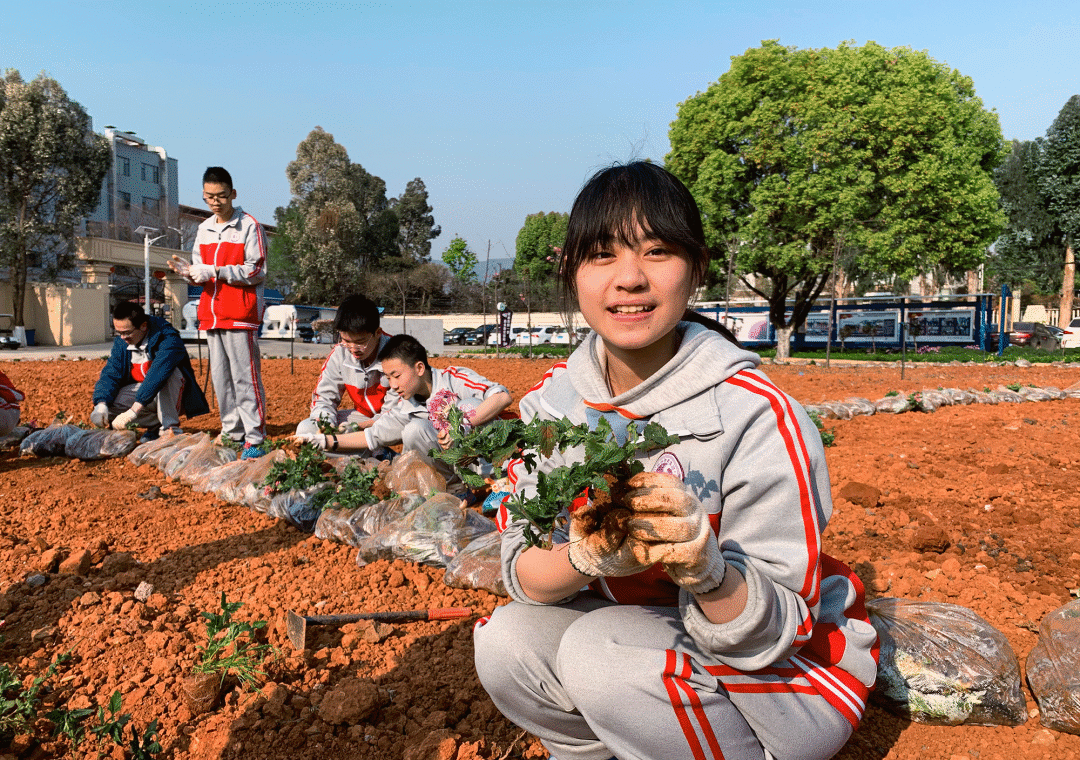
<point>592,679</point>
<point>163,410</point>
<point>236,372</point>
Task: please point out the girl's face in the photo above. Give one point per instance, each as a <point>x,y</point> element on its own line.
<point>633,296</point>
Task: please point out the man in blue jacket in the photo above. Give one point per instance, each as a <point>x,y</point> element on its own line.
<point>148,379</point>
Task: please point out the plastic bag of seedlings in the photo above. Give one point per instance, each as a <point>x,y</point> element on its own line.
<point>201,461</point>
<point>983,397</point>
<point>339,463</point>
<point>163,457</point>
<point>478,565</point>
<point>1006,395</point>
<point>860,405</point>
<point>166,440</point>
<point>299,508</point>
<point>1031,393</point>
<point>936,397</point>
<point>823,411</point>
<point>959,397</point>
<point>1073,391</point>
<point>432,534</point>
<point>14,438</point>
<point>409,473</point>
<point>944,665</point>
<point>1053,669</point>
<point>228,481</point>
<point>90,445</point>
<point>840,411</point>
<point>892,405</point>
<point>350,526</point>
<point>48,442</point>
<point>1056,394</point>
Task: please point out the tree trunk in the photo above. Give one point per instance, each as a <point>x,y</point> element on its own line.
<point>783,342</point>
<point>1067,285</point>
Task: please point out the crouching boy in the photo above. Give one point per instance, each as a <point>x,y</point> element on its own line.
<point>148,379</point>
<point>405,364</point>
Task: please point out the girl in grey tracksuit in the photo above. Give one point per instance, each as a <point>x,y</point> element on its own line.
<point>749,644</point>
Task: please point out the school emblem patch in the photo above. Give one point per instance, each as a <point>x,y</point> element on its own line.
<point>669,464</point>
<point>234,236</point>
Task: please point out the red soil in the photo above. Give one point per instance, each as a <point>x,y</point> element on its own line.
<point>997,481</point>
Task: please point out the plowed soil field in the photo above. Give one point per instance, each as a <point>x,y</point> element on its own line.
<point>975,505</point>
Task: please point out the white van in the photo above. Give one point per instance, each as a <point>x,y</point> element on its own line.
<point>290,322</point>
<point>188,320</point>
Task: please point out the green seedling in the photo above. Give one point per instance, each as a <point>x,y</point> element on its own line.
<point>19,705</point>
<point>1014,387</point>
<point>231,647</point>
<point>306,470</point>
<point>828,437</point>
<point>353,490</point>
<point>111,723</point>
<point>893,393</point>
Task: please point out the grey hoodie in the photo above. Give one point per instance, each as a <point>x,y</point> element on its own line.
<point>753,457</point>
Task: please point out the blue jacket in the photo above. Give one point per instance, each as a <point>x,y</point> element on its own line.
<point>167,352</point>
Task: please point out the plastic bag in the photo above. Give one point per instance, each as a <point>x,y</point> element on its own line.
<point>1006,395</point>
<point>409,473</point>
<point>1034,394</point>
<point>48,442</point>
<point>959,397</point>
<point>478,565</point>
<point>983,397</point>
<point>839,410</point>
<point>1053,669</point>
<point>936,397</point>
<point>166,454</point>
<point>860,405</point>
<point>15,437</point>
<point>433,533</point>
<point>297,507</point>
<point>1055,393</point>
<point>892,405</point>
<point>228,481</point>
<point>165,440</point>
<point>90,445</point>
<point>349,526</point>
<point>944,665</point>
<point>201,460</point>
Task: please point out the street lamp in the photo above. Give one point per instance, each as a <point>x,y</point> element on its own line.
<point>147,240</point>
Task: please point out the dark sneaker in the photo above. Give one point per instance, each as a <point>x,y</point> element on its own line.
<point>151,434</point>
<point>252,451</point>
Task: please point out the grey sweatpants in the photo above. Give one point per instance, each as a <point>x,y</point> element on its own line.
<point>163,409</point>
<point>236,372</point>
<point>592,679</point>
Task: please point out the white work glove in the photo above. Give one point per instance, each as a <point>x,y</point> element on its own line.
<point>100,416</point>
<point>318,440</point>
<point>123,419</point>
<point>602,551</point>
<point>672,522</point>
<point>200,273</point>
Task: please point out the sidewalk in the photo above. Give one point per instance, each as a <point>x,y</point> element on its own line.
<point>270,349</point>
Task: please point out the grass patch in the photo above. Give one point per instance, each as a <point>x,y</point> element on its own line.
<point>943,355</point>
<point>545,349</point>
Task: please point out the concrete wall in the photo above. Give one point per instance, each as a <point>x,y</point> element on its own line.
<point>521,319</point>
<point>427,330</point>
<point>63,315</point>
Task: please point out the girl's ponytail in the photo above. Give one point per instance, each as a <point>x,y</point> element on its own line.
<point>692,316</point>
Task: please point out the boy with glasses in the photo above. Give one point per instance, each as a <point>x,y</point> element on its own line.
<point>229,261</point>
<point>148,379</point>
<point>351,370</point>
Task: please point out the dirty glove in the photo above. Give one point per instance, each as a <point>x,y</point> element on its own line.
<point>124,419</point>
<point>100,416</point>
<point>200,273</point>
<point>318,440</point>
<point>603,551</point>
<point>667,515</point>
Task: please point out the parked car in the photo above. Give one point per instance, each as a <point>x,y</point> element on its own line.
<point>456,336</point>
<point>493,338</point>
<point>478,336</point>
<point>1021,333</point>
<point>1047,337</point>
<point>1071,335</point>
<point>562,337</point>
<point>537,336</point>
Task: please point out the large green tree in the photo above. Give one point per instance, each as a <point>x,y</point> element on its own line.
<point>343,226</point>
<point>416,225</point>
<point>1058,175</point>
<point>798,157</point>
<point>1028,254</point>
<point>461,261</point>
<point>539,243</point>
<point>51,167</point>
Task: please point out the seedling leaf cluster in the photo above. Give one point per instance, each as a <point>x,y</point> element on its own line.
<point>231,646</point>
<point>603,462</point>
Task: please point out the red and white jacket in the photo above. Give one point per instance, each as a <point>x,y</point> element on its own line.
<point>754,460</point>
<point>10,396</point>
<point>343,375</point>
<point>233,299</point>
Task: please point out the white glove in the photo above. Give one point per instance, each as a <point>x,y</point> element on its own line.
<point>200,273</point>
<point>100,416</point>
<point>124,419</point>
<point>318,440</point>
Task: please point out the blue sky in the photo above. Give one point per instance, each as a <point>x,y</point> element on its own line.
<point>503,108</point>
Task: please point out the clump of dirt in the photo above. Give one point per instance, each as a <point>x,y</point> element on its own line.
<point>993,485</point>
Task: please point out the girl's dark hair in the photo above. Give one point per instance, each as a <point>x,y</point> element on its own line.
<point>619,200</point>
